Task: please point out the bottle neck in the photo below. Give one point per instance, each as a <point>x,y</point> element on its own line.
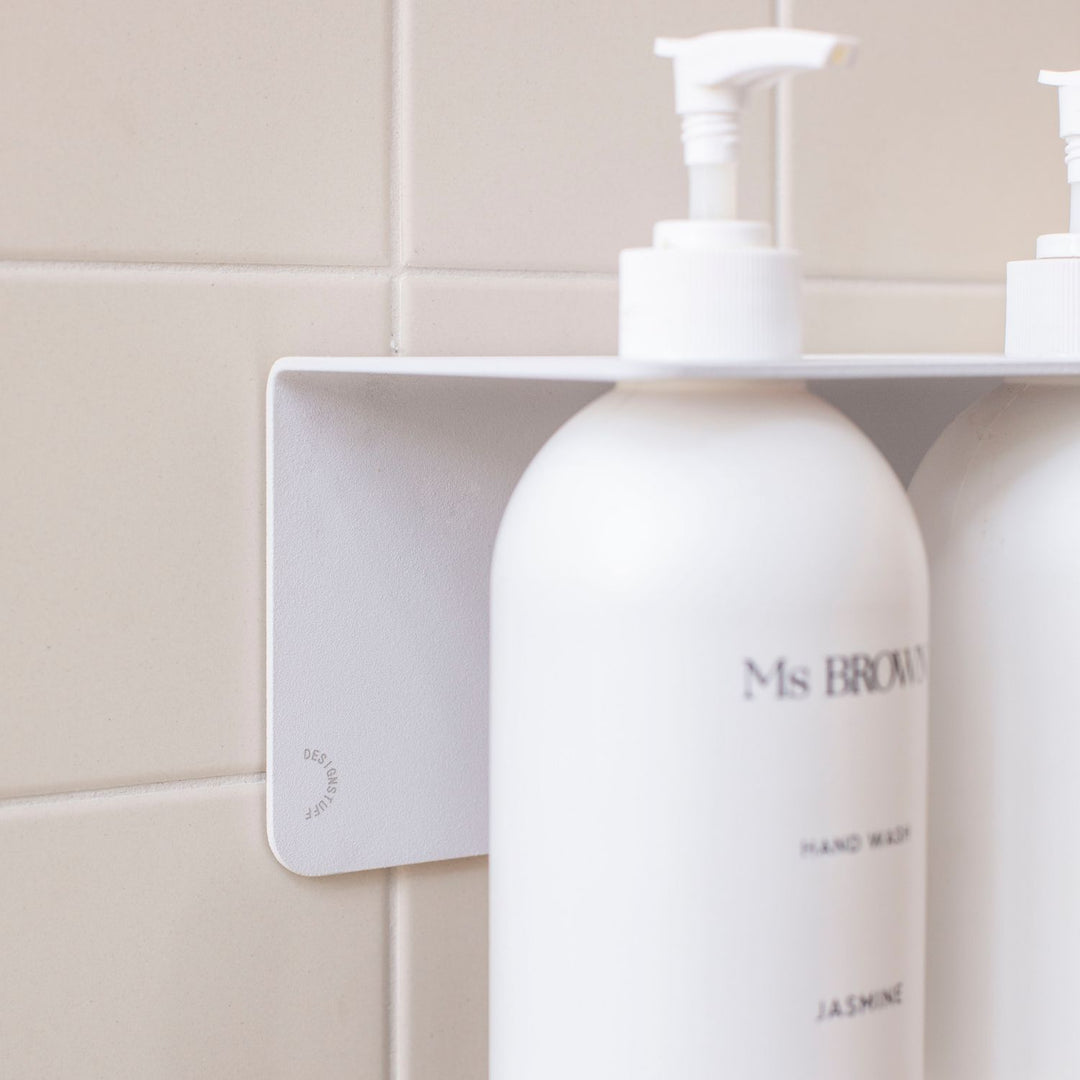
<point>699,303</point>
<point>1042,312</point>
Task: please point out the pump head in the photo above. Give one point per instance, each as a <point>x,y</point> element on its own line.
<point>1068,84</point>
<point>712,289</point>
<point>714,73</point>
<point>1042,295</point>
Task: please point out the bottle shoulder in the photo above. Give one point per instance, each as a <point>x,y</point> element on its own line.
<point>779,481</point>
<point>732,446</point>
<point>1013,456</point>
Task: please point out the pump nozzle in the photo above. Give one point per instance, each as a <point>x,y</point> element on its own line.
<point>1042,318</point>
<point>714,73</point>
<point>1068,84</point>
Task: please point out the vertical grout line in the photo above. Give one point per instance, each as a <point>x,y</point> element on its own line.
<point>783,15</point>
<point>395,313</point>
<point>785,233</point>
<point>397,260</point>
<point>397,88</point>
<point>392,988</point>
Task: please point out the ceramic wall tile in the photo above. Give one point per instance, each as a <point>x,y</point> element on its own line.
<point>543,136</point>
<point>131,477</point>
<point>936,156</point>
<point>195,132</point>
<point>496,315</point>
<point>442,975</point>
<point>153,935</point>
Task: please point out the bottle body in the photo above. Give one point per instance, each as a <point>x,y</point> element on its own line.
<point>996,497</point>
<point>708,747</point>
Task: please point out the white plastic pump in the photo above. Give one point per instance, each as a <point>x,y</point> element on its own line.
<point>1042,309</point>
<point>712,288</point>
<point>1068,84</point>
<point>714,73</point>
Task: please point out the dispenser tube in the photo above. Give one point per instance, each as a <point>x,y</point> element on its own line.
<point>713,191</point>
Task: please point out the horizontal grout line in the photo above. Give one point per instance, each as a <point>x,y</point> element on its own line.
<point>39,265</point>
<point>455,272</point>
<point>502,274</point>
<point>197,784</point>
<point>908,284</point>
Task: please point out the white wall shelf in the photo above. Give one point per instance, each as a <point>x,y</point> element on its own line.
<point>386,479</point>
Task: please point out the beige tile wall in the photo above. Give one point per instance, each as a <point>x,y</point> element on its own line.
<point>193,188</point>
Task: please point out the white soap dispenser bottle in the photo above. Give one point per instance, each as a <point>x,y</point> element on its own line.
<point>709,620</point>
<point>998,497</point>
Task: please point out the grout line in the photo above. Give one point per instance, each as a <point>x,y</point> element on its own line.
<point>53,266</point>
<point>509,274</point>
<point>395,315</point>
<point>466,273</point>
<point>397,268</point>
<point>385,273</point>
<point>781,165</point>
<point>392,988</point>
<point>782,216</point>
<point>912,285</point>
<point>198,784</point>
<point>785,230</point>
<point>394,179</point>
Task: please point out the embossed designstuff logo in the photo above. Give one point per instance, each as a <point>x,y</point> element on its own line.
<point>328,782</point>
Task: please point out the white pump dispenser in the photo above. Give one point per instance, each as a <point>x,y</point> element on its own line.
<point>708,685</point>
<point>711,287</point>
<point>1042,313</point>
